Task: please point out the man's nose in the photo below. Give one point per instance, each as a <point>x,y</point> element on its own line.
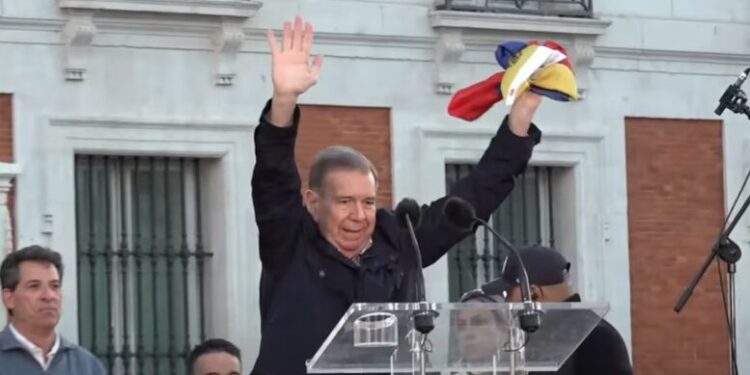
<point>359,211</point>
<point>49,293</point>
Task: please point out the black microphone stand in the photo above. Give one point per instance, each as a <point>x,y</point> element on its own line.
<point>734,98</point>
<point>739,104</point>
<point>727,250</point>
<point>423,318</point>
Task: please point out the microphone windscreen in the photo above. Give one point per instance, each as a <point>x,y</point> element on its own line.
<point>459,212</point>
<point>408,207</point>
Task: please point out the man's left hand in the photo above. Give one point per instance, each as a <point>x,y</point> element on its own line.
<point>522,112</point>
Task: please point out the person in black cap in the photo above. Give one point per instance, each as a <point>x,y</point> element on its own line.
<point>603,351</point>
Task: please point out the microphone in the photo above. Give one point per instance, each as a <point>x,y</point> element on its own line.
<point>731,91</point>
<point>462,215</point>
<point>409,215</point>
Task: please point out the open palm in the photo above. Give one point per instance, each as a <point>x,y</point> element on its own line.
<point>292,72</point>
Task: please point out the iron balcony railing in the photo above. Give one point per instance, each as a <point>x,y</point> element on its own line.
<point>565,8</point>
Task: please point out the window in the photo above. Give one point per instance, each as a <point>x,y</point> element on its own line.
<point>524,218</point>
<point>141,261</point>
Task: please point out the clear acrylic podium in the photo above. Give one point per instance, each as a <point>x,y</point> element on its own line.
<point>467,338</point>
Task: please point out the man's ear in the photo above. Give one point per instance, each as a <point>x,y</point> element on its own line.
<point>536,293</point>
<point>8,299</point>
<point>312,200</point>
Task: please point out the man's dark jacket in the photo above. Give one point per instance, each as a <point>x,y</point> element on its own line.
<point>307,286</point>
<point>603,351</point>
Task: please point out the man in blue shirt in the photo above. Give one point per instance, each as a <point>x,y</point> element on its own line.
<point>31,280</point>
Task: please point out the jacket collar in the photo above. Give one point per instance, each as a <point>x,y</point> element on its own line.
<point>8,341</point>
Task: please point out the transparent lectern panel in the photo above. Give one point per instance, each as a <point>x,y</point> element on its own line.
<point>378,338</point>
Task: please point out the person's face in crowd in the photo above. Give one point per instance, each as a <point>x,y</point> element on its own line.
<point>217,363</point>
<point>479,333</point>
<point>36,301</point>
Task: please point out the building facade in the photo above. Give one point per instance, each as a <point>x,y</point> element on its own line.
<point>126,135</point>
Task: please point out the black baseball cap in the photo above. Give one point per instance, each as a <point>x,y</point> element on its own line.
<point>544,265</point>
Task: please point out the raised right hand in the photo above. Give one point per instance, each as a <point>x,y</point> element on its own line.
<point>292,72</point>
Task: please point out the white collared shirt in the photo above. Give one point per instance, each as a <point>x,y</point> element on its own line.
<point>35,351</point>
<point>357,259</point>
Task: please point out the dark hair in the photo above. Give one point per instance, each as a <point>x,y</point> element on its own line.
<point>337,158</point>
<point>10,274</point>
<point>211,346</point>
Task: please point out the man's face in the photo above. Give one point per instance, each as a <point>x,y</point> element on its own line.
<point>218,363</point>
<point>479,334</point>
<point>345,209</point>
<point>36,300</point>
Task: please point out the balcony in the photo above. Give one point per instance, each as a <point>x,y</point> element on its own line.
<point>482,24</point>
<point>226,8</point>
<point>563,8</point>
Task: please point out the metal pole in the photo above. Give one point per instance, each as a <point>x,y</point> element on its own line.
<point>732,268</point>
<point>418,360</point>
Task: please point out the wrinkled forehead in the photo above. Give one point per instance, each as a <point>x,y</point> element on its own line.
<point>349,182</point>
<point>37,270</point>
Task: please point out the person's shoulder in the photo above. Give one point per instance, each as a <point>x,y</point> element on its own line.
<point>384,214</point>
<point>604,351</point>
<point>81,353</point>
<point>605,327</point>
<point>387,226</point>
<point>386,219</point>
<point>605,334</point>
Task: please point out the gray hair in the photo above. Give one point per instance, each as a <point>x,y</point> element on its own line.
<point>338,158</point>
